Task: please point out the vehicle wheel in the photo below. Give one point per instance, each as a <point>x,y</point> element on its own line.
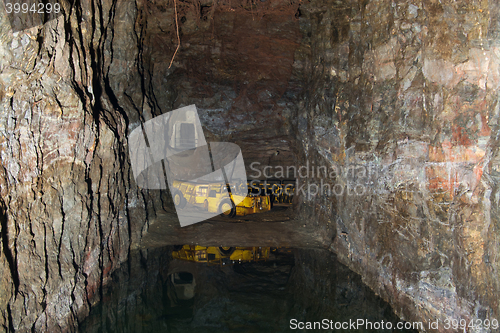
<point>205,205</point>
<point>226,250</point>
<point>227,208</point>
<point>179,200</point>
<point>178,247</point>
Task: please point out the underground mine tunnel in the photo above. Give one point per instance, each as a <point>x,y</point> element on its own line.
<point>367,132</point>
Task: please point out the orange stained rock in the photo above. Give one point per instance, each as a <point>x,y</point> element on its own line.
<point>485,129</point>
<point>478,171</point>
<point>458,153</point>
<point>460,136</point>
<point>441,178</point>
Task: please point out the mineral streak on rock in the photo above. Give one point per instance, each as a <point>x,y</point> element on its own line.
<point>69,210</point>
<point>417,98</point>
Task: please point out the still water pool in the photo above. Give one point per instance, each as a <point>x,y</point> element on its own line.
<point>282,292</point>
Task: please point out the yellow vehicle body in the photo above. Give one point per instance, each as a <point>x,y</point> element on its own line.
<point>221,255</point>
<point>282,191</point>
<point>253,204</point>
<point>213,198</point>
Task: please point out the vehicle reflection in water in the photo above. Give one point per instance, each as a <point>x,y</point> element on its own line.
<point>156,292</point>
<point>221,255</point>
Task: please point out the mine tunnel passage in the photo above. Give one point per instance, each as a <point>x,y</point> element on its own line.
<point>342,86</point>
<point>386,112</point>
<point>245,72</point>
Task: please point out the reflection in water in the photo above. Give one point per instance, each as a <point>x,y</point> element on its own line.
<point>221,255</point>
<point>155,292</point>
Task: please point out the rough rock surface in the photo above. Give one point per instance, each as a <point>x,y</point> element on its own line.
<point>405,91</point>
<point>403,103</point>
<point>68,207</point>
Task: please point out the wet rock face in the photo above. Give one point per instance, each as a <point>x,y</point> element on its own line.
<point>403,105</point>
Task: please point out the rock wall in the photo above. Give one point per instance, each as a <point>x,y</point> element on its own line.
<point>235,63</point>
<point>69,209</point>
<point>402,106</point>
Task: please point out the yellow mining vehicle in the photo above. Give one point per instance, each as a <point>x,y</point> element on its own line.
<point>212,197</point>
<point>288,191</point>
<point>280,191</point>
<point>220,255</point>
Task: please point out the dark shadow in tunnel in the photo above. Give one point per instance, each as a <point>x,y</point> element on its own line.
<point>4,233</point>
<point>5,246</point>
